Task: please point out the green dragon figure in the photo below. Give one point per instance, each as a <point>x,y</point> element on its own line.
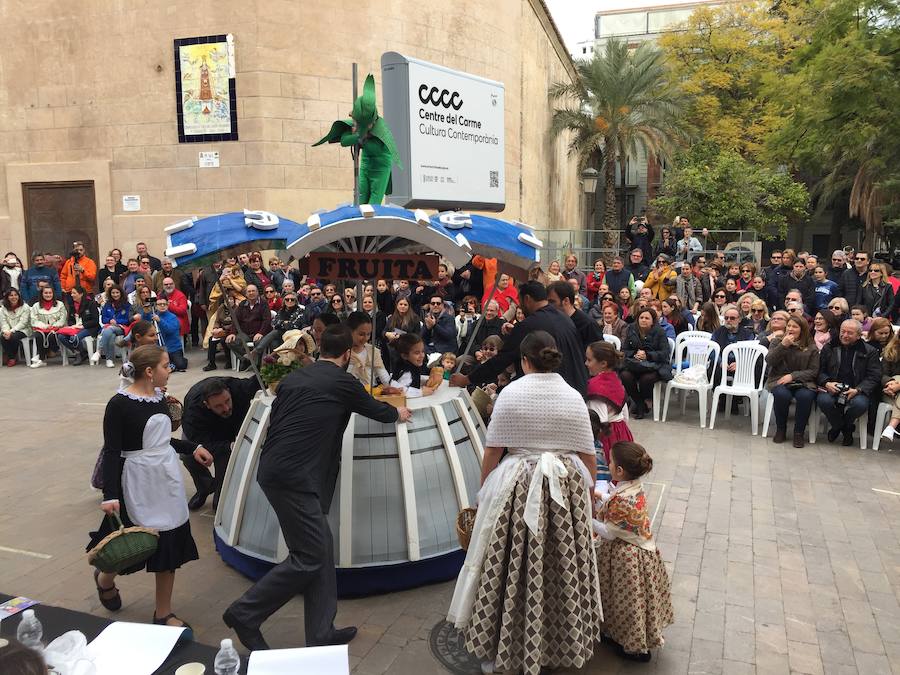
<point>379,152</point>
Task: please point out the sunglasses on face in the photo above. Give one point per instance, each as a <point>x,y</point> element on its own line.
<point>437,303</point>
<point>270,292</point>
<point>834,307</point>
<point>861,259</point>
<point>719,297</point>
<point>758,311</point>
<point>290,299</point>
<point>316,293</point>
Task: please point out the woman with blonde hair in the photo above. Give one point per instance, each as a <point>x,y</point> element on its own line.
<point>554,273</point>
<point>759,317</point>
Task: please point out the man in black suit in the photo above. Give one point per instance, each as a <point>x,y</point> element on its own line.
<point>562,296</point>
<point>214,410</point>
<point>298,469</point>
<point>540,315</point>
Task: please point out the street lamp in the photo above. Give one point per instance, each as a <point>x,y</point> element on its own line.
<point>589,181</point>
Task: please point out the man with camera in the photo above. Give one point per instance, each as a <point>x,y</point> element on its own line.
<point>849,373</point>
<point>641,238</point>
<point>78,270</point>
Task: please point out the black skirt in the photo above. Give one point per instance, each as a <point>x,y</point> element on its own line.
<point>174,549</point>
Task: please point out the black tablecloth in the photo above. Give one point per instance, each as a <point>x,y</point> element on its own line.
<point>57,621</point>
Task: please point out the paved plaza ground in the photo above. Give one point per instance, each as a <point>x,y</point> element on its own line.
<point>782,560</point>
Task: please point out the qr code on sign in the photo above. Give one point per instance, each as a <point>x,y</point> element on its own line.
<point>495,179</point>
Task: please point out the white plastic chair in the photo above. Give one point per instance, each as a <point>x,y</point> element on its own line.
<point>770,408</point>
<point>882,418</point>
<point>817,420</point>
<point>614,341</point>
<point>657,388</point>
<point>696,352</point>
<point>91,345</point>
<point>28,347</point>
<point>747,354</point>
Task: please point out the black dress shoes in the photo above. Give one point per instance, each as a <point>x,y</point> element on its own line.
<point>340,636</point>
<point>251,638</point>
<point>196,502</point>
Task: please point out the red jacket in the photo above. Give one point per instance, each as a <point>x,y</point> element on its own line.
<point>178,305</point>
<point>593,285</point>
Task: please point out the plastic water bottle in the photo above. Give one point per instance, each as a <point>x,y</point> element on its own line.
<point>30,631</point>
<point>227,660</point>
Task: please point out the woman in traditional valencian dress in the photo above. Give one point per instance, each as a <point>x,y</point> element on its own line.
<point>528,595</point>
<point>142,479</point>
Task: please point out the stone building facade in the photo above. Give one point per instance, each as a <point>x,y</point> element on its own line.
<point>87,97</point>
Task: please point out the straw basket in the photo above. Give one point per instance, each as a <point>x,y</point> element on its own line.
<point>123,548</point>
<point>176,411</point>
<point>465,523</point>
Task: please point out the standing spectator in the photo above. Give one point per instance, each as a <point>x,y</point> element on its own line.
<point>553,272</point>
<point>255,273</point>
<point>636,266</point>
<point>745,281</point>
<point>142,252</point>
<point>10,273</point>
<point>616,278</point>
<point>116,253</point>
<point>78,270</point>
<point>838,266</point>
<point>688,288</point>
<point>824,289</point>
<point>110,270</point>
<point>850,373</point>
<point>48,315</point>
<point>130,277</point>
<point>439,333</point>
<point>337,307</point>
<point>709,283</point>
<point>642,238</point>
<point>169,328</point>
<point>688,245</point>
<point>647,360</point>
<point>876,293</point>
<point>403,320</point>
<point>168,270</point>
<point>562,296</point>
<point>852,280</point>
<point>667,244</point>
<point>595,280</point>
<point>39,271</point>
<point>276,272</point>
<point>15,325</point>
<point>505,295</point>
<point>315,306</point>
<point>83,319</point>
<point>661,280</point>
<point>798,279</point>
<point>467,280</point>
<point>571,271</point>
<point>793,366</point>
<point>782,265</point>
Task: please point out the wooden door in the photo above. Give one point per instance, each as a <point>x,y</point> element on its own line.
<point>57,214</point>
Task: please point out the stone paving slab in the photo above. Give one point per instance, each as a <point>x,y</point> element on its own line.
<point>782,560</point>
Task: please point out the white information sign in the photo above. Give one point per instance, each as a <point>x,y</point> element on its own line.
<point>449,128</point>
<point>131,202</point>
<point>209,160</point>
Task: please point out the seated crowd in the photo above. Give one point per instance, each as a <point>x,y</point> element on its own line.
<point>829,328</point>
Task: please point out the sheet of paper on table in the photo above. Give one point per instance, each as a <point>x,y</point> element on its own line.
<point>14,606</point>
<point>143,647</point>
<point>318,660</point>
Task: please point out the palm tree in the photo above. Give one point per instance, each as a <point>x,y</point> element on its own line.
<point>622,101</point>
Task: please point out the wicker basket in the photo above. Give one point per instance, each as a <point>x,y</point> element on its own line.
<point>465,522</point>
<point>176,411</point>
<point>123,548</point>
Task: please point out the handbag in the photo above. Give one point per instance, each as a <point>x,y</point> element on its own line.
<point>639,367</point>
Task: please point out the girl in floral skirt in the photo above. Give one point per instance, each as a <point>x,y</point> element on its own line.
<point>634,585</point>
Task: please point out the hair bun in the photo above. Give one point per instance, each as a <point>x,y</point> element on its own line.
<point>550,358</point>
<point>128,370</point>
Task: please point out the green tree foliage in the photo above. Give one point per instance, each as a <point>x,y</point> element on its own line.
<point>623,100</point>
<point>720,189</point>
<point>839,109</point>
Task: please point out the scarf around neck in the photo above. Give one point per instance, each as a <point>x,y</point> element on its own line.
<point>607,387</point>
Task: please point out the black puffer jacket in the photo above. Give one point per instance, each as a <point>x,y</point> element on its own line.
<point>655,344</point>
<point>866,366</point>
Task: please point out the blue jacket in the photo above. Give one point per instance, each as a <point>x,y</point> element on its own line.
<point>29,282</point>
<point>441,338</point>
<point>170,330</point>
<point>122,315</point>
